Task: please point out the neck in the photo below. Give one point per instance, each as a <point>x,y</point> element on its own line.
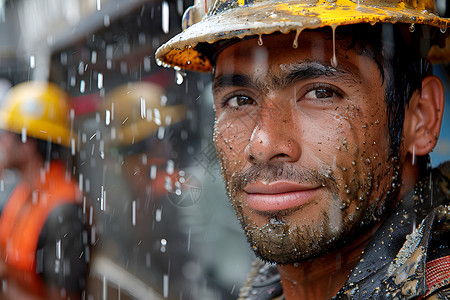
<point>323,277</point>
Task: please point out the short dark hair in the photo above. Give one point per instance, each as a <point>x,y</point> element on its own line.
<point>400,52</point>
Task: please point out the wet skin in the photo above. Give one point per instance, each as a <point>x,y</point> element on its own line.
<point>304,150</point>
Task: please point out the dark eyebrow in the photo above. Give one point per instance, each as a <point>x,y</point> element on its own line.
<point>304,71</point>
<point>230,80</point>
<point>290,74</point>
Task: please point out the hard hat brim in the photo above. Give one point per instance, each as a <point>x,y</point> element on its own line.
<point>267,18</point>
<point>36,128</point>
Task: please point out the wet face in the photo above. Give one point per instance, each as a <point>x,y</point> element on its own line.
<point>303,143</point>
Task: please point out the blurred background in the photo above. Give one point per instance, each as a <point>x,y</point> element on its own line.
<point>162,227</point>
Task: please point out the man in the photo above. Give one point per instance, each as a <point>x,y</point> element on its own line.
<point>141,228</point>
<point>43,236</point>
<point>323,133</point>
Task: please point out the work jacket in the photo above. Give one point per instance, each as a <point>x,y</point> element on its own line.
<point>407,258</point>
<point>43,235</point>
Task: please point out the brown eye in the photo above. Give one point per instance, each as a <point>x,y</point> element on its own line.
<point>237,101</point>
<point>320,94</point>
<point>324,93</point>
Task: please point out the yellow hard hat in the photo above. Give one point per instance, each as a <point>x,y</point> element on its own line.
<point>137,110</point>
<point>38,109</point>
<point>209,21</point>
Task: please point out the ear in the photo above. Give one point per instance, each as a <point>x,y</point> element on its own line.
<point>423,117</point>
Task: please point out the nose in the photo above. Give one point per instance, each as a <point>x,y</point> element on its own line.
<point>274,139</point>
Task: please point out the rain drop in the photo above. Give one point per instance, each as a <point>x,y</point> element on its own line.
<point>163,245</point>
<point>94,57</point>
<point>443,29</point>
<point>107,117</point>
<point>153,172</point>
<point>165,286</point>
<point>161,131</point>
<point>24,135</point>
<point>63,58</point>
<point>143,109</point>
<point>82,86</point>
<point>142,38</point>
<point>165,17</point>
<point>147,64</point>
<point>133,213</point>
<point>412,28</point>
<point>148,260</point>
<point>102,198</point>
<point>158,215</point>
<point>106,21</point>
<point>170,167</point>
<point>73,147</point>
<point>32,61</point>
<point>58,249</point>
<point>180,77</point>
<point>100,80</point>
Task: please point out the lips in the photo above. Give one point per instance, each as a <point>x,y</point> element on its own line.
<point>279,195</point>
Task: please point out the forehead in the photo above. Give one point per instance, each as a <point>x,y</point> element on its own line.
<point>279,53</point>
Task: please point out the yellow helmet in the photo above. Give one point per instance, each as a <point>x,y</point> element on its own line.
<point>137,110</point>
<point>38,109</point>
<point>210,21</point>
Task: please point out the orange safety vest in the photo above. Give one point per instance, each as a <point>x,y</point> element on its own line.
<point>25,213</point>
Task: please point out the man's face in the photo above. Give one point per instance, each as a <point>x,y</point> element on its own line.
<point>303,144</point>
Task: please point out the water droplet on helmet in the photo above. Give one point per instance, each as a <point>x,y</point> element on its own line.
<point>260,41</point>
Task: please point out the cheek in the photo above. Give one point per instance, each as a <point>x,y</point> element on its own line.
<point>350,142</point>
<point>231,139</point>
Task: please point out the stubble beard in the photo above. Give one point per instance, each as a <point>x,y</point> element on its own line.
<point>283,242</point>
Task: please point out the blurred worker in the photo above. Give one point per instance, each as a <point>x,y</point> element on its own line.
<point>8,178</point>
<point>141,229</point>
<point>326,112</point>
<point>43,236</point>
